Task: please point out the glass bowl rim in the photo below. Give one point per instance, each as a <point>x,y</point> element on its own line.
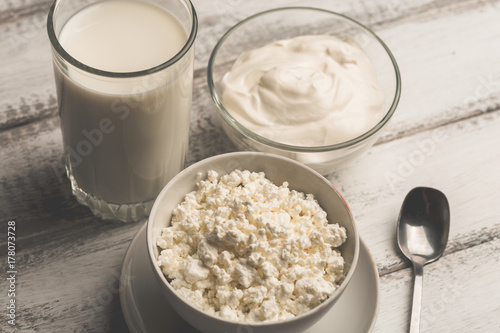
<point>294,148</point>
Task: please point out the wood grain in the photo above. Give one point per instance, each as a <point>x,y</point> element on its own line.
<point>26,49</point>
<point>375,185</point>
<point>460,294</point>
<point>444,135</point>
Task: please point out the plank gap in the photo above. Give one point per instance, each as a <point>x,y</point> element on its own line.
<point>420,128</point>
<point>458,244</point>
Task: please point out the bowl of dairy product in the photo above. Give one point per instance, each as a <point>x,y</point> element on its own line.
<point>251,242</point>
<point>305,83</point>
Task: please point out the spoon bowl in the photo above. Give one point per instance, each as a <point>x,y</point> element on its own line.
<point>422,234</point>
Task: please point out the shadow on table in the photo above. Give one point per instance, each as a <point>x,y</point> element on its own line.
<point>118,324</point>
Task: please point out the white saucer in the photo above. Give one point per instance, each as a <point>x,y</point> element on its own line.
<point>146,311</point>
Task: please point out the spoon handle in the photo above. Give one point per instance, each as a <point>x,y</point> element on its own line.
<point>418,268</point>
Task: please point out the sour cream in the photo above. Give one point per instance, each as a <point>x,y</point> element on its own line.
<point>306,91</point>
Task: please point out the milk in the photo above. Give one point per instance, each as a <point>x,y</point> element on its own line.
<point>122,36</point>
<point>124,138</point>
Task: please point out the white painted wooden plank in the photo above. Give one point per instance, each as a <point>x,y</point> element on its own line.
<point>78,292</point>
<point>15,6</point>
<point>461,159</point>
<point>449,66</point>
<point>460,294</point>
<point>71,259</point>
<point>216,17</point>
<point>74,286</point>
<point>453,158</point>
<point>375,195</point>
<point>366,191</point>
<point>374,186</point>
<point>27,89</point>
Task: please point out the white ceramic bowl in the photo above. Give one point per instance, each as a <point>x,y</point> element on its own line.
<point>282,23</point>
<point>277,169</point>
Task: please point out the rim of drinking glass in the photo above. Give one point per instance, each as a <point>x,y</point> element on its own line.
<point>282,146</point>
<point>61,51</point>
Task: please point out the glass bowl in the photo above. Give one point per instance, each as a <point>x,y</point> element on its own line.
<point>288,22</point>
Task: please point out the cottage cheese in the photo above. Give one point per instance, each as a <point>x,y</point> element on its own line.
<point>244,249</point>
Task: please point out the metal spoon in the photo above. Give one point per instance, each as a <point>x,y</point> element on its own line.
<point>423,228</point>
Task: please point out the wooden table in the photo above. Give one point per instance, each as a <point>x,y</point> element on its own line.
<point>445,134</point>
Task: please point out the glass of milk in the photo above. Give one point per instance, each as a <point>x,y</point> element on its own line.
<point>124,76</point>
